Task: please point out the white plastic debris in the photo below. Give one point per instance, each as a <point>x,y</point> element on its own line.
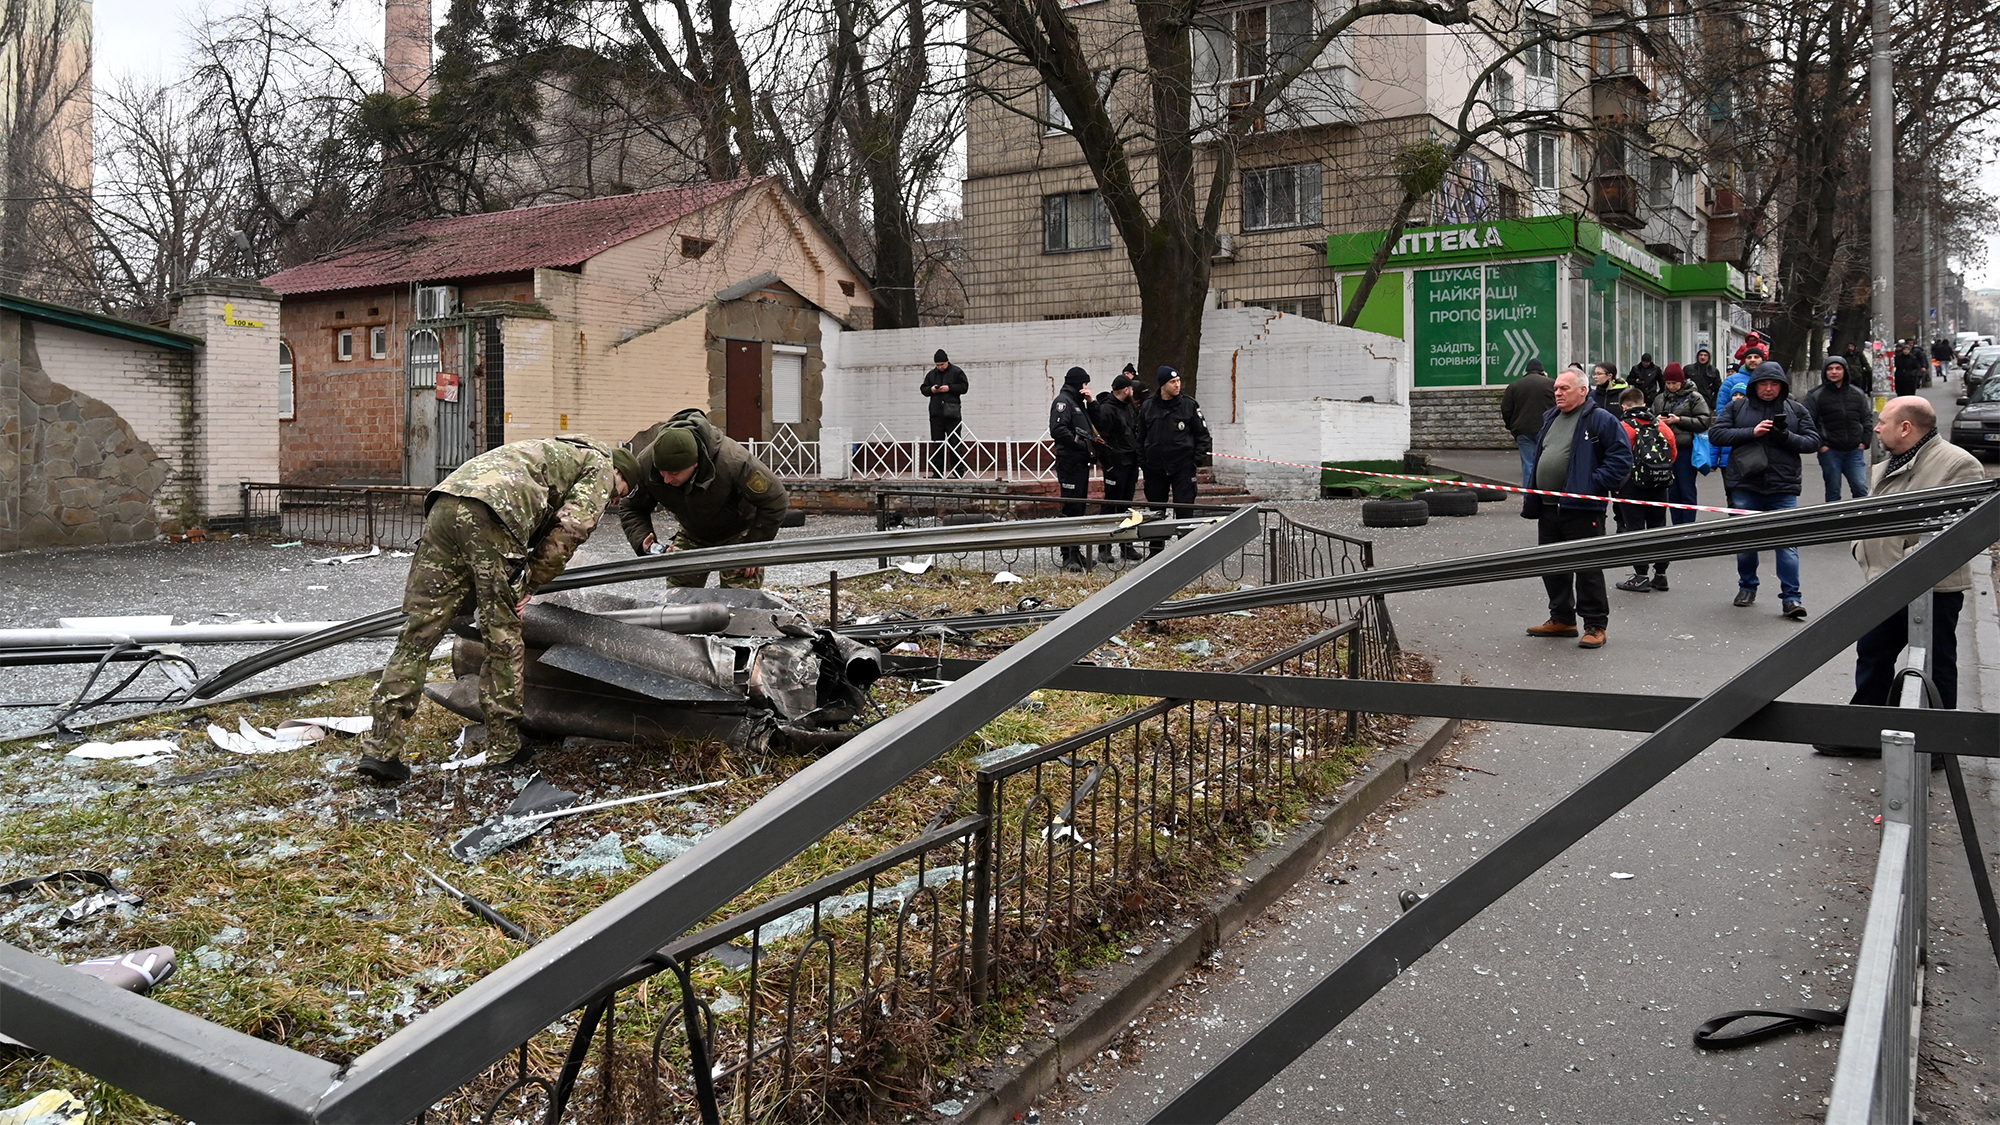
<point>141,751</point>
<point>288,735</point>
<point>1200,647</point>
<point>1621,875</point>
<point>1007,578</point>
<point>916,565</point>
<point>338,560</point>
<point>473,762</point>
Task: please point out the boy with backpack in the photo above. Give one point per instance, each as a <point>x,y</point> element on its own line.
<point>1653,452</point>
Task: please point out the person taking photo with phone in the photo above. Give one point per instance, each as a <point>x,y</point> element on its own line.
<point>1766,433</point>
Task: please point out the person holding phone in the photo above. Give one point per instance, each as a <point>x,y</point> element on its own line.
<point>1766,433</point>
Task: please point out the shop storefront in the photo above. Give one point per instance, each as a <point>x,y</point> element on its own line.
<point>1477,301</point>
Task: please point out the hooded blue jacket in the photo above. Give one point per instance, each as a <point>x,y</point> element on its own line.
<point>1599,460</point>
<point>1769,463</point>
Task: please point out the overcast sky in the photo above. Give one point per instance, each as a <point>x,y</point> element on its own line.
<point>150,37</point>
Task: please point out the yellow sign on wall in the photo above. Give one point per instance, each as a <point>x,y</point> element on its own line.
<point>230,318</point>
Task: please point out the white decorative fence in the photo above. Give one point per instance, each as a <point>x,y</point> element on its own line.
<point>884,456</point>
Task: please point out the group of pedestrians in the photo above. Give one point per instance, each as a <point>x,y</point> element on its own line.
<point>1629,447</point>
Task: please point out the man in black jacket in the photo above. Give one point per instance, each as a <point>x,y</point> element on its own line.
<point>1909,369</point>
<point>1703,374</point>
<point>1076,445</point>
<point>1766,432</point>
<point>1645,375</point>
<point>1173,435</point>
<point>1845,420</point>
<point>1526,400</point>
<point>1117,422</point>
<point>945,385</point>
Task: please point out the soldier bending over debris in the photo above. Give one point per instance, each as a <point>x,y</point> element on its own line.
<point>717,491</point>
<point>501,525</point>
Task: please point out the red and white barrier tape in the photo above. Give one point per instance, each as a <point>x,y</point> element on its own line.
<point>1501,487</point>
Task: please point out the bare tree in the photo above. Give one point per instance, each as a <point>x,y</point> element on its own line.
<point>1163,169</point>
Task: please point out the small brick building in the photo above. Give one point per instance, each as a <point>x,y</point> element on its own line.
<point>415,351</point>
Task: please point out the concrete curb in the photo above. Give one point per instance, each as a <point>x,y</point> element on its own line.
<point>1985,655</point>
<point>1120,993</point>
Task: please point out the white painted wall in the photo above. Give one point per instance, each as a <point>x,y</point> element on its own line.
<point>1273,386</point>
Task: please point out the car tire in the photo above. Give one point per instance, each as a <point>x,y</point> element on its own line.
<point>1450,501</point>
<point>1488,495</point>
<point>793,518</point>
<point>1395,513</point>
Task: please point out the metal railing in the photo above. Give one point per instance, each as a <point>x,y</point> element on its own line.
<point>883,456</point>
<point>1285,550</point>
<point>386,515</point>
<point>1876,1077</point>
<point>830,1001</point>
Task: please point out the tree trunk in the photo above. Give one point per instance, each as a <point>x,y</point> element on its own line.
<point>1172,299</point>
<point>895,279</point>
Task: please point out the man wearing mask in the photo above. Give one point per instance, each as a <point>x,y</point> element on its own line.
<point>1766,432</point>
<point>1919,458</point>
<point>1076,444</point>
<point>1526,400</point>
<point>1683,408</point>
<point>1117,422</point>
<point>1173,435</point>
<point>1582,450</point>
<point>1844,418</point>
<point>1703,374</point>
<point>944,384</point>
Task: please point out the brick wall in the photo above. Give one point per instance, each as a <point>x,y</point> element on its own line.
<point>1454,418</point>
<point>72,472</point>
<point>235,386</point>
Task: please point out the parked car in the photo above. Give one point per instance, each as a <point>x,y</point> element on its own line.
<point>1984,372</point>
<point>1982,356</point>
<point>1977,426</point>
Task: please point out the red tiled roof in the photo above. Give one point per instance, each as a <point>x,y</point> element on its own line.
<point>548,236</point>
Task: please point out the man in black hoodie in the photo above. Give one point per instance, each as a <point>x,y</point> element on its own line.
<point>1703,374</point>
<point>1845,420</point>
<point>1645,375</point>
<point>945,385</point>
<point>1526,400</point>
<point>1076,445</point>
<point>1766,432</point>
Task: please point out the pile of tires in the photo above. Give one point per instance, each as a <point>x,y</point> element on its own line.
<point>1488,495</point>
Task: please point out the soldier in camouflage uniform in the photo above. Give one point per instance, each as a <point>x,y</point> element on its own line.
<point>501,525</point>
<point>717,491</point>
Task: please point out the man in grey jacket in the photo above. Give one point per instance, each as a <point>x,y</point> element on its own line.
<point>1919,458</point>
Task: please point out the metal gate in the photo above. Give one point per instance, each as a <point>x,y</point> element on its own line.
<point>442,427</point>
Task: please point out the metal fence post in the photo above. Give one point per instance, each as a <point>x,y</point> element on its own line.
<point>1271,556</point>
<point>982,891</point>
<point>1355,640</point>
<point>243,495</point>
<point>368,505</point>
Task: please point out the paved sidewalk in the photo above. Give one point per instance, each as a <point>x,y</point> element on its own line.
<point>1574,997</point>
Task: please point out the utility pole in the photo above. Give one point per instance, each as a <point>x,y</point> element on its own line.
<point>1881,174</point>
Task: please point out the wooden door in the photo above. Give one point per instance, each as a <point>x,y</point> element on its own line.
<point>743,408</point>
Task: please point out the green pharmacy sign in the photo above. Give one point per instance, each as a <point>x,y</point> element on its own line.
<point>1482,323</point>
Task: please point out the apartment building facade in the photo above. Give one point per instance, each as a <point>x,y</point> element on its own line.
<point>1586,239</point>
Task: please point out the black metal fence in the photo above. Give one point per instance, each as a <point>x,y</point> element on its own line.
<point>386,515</point>
<point>832,1001</point>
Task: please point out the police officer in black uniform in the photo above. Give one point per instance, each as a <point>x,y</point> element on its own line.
<point>1076,444</point>
<point>1173,435</point>
<point>1117,421</point>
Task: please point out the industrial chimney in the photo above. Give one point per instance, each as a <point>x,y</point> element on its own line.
<point>406,48</point>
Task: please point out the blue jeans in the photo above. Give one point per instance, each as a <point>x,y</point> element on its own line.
<point>1682,491</point>
<point>1788,557</point>
<point>1530,449</point>
<point>1850,463</point>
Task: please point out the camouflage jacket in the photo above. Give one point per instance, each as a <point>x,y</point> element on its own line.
<point>732,495</point>
<point>549,493</point>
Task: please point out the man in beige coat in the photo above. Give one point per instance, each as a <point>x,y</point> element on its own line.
<point>1919,458</point>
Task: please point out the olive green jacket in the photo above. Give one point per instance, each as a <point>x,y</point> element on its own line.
<point>731,498</point>
<point>549,493</point>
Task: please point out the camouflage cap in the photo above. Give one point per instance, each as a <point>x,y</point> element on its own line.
<point>626,464</point>
<point>674,449</point>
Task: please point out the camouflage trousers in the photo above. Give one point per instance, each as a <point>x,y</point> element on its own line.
<point>465,559</point>
<point>731,579</point>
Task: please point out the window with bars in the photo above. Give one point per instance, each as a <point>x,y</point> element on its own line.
<point>1076,220</point>
<point>1289,196</point>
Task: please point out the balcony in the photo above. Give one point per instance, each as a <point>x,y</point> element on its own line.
<point>1620,97</point>
<point>1614,198</point>
<point>1324,95</point>
<point>1728,203</point>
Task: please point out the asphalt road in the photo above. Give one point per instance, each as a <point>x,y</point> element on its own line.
<point>1738,882</point>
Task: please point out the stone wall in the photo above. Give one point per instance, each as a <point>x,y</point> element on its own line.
<point>72,472</point>
<point>1458,418</point>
